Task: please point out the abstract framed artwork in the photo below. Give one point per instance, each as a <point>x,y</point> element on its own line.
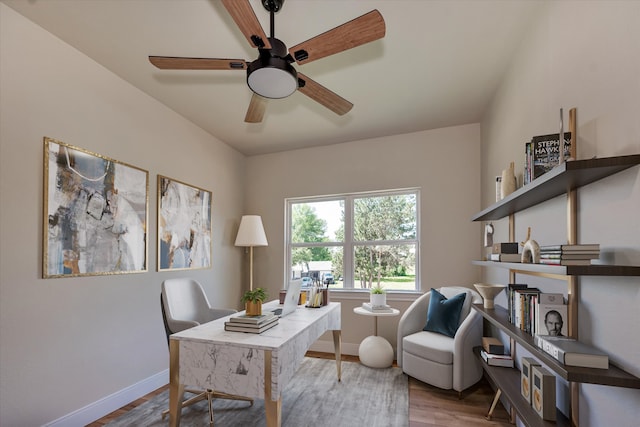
<point>96,213</point>
<point>184,226</point>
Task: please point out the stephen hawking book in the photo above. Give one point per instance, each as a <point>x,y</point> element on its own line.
<point>546,152</point>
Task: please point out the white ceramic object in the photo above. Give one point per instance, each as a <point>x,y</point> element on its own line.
<point>375,352</point>
<point>488,292</point>
<point>378,299</point>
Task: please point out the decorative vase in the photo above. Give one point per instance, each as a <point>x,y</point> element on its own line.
<point>253,308</point>
<point>530,252</point>
<point>378,299</point>
<point>508,182</point>
<point>488,292</point>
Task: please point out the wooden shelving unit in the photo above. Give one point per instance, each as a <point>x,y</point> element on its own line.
<point>565,270</point>
<point>560,180</point>
<point>613,376</point>
<point>508,380</point>
<point>563,179</point>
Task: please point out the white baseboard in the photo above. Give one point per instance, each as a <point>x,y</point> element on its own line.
<point>108,404</point>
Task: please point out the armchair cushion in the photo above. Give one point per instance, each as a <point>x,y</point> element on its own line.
<point>443,316</point>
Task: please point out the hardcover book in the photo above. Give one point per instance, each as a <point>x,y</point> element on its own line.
<point>501,360</point>
<point>254,329</point>
<point>572,352</point>
<point>492,345</point>
<point>244,318</point>
<point>377,308</point>
<point>551,319</point>
<point>546,152</point>
<point>526,377</point>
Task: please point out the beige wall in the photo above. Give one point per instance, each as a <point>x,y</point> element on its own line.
<point>67,343</point>
<point>583,55</point>
<point>442,163</point>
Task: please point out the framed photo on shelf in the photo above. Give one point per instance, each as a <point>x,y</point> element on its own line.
<point>95,213</point>
<point>184,226</point>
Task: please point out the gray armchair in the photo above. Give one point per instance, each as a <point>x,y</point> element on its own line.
<point>185,305</point>
<point>436,359</point>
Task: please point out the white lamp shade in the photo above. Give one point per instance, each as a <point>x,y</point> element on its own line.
<point>251,232</point>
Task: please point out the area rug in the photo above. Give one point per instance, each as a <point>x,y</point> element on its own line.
<point>365,397</point>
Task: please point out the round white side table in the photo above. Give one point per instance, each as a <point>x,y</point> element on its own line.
<point>375,351</point>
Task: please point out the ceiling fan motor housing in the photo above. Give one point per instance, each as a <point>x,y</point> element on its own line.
<point>272,75</point>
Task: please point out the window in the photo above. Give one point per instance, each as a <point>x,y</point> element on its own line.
<point>355,241</point>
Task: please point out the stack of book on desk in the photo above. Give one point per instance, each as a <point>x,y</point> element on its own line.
<point>251,324</point>
<point>569,254</point>
<point>377,308</point>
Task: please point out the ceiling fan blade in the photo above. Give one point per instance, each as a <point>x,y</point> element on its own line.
<point>245,18</point>
<point>255,112</point>
<point>323,96</point>
<point>178,63</point>
<point>364,29</point>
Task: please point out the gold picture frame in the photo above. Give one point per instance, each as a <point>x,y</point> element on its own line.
<point>184,226</point>
<point>95,214</point>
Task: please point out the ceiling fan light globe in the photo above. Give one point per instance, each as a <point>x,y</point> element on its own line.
<point>274,78</point>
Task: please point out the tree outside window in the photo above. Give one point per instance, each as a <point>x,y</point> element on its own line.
<point>358,241</point>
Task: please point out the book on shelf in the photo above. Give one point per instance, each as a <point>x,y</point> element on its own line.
<point>511,289</point>
<point>251,328</point>
<point>545,152</point>
<point>565,261</point>
<point>255,320</point>
<point>525,300</point>
<point>572,352</point>
<point>551,319</point>
<point>492,345</point>
<point>572,247</point>
<point>505,248</point>
<point>505,257</point>
<point>570,255</point>
<point>503,360</point>
<point>377,308</point>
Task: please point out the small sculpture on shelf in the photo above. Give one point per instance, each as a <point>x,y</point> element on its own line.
<point>530,250</point>
<point>508,181</point>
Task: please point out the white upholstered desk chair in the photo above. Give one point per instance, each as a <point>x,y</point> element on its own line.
<point>434,358</point>
<point>185,305</point>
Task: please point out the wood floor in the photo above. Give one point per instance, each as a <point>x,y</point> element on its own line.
<point>428,406</point>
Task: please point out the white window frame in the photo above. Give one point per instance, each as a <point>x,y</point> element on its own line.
<point>349,244</point>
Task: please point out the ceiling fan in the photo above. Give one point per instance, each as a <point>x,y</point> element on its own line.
<point>271,75</point>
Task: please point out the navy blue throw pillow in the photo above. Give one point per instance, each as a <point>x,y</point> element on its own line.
<point>443,316</point>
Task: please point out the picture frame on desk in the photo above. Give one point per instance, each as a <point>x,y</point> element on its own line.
<point>184,226</point>
<point>95,215</point>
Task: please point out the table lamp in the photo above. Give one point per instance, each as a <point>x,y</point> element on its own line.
<point>250,234</point>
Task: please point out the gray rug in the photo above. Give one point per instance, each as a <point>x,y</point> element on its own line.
<point>365,397</point>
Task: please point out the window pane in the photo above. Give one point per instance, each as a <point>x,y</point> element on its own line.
<point>391,266</point>
<point>322,264</point>
<point>384,218</point>
<point>317,222</point>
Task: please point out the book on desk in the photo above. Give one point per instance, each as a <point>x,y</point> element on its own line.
<point>251,324</point>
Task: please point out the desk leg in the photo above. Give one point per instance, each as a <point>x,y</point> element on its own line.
<point>176,390</point>
<point>337,346</point>
<point>273,409</point>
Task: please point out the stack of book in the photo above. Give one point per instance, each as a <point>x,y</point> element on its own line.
<point>505,252</point>
<point>492,353</point>
<point>251,324</point>
<point>377,308</point>
<point>534,312</point>
<point>569,254</point>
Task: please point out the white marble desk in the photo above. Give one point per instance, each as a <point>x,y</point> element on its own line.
<point>245,364</point>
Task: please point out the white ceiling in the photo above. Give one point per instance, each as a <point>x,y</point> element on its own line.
<point>437,66</point>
